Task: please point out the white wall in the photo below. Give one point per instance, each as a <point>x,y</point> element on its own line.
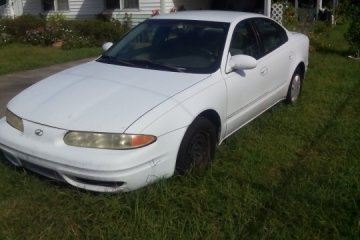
<point>81,9</point>
<point>77,8</point>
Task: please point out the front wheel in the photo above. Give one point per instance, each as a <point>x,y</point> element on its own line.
<point>295,87</point>
<point>197,148</point>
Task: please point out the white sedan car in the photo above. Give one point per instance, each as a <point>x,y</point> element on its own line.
<point>156,102</point>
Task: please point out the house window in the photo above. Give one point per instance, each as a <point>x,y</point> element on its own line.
<point>55,5</point>
<point>131,4</point>
<point>112,4</point>
<point>2,2</point>
<point>122,4</point>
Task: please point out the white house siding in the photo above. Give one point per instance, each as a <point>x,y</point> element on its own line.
<point>77,8</point>
<point>32,7</point>
<point>82,9</point>
<point>148,6</point>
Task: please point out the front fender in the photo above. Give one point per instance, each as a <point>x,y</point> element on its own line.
<point>180,110</point>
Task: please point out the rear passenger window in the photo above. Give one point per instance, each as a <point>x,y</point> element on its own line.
<point>271,34</point>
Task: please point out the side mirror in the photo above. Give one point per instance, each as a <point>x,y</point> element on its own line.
<point>106,46</point>
<point>240,62</point>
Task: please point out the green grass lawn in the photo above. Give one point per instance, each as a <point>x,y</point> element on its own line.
<point>293,173</point>
<point>19,57</point>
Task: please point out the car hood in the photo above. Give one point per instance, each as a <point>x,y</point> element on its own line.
<point>99,97</point>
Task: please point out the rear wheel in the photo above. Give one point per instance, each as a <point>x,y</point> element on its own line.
<point>197,147</point>
<point>295,87</point>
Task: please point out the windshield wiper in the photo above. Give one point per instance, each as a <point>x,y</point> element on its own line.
<point>155,65</point>
<point>114,60</point>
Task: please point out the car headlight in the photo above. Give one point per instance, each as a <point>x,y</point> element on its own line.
<point>14,120</point>
<point>116,141</point>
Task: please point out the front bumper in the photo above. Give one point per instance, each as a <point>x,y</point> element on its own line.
<point>91,169</point>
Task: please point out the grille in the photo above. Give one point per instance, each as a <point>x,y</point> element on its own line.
<point>96,182</point>
<point>42,171</point>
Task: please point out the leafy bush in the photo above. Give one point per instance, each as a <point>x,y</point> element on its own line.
<point>72,33</point>
<point>298,21</point>
<point>352,36</point>
<point>55,25</point>
<point>97,31</point>
<point>73,40</point>
<point>320,27</point>
<point>290,20</point>
<point>19,26</point>
<point>4,37</point>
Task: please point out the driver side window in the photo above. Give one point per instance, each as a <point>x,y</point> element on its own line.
<point>243,41</point>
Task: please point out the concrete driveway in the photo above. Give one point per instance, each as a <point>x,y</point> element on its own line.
<point>12,84</point>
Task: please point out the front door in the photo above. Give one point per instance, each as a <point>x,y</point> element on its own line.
<point>250,92</point>
<point>244,87</point>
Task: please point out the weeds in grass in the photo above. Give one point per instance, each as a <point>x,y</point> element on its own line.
<point>293,173</point>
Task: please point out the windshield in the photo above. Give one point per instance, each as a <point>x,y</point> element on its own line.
<point>171,45</point>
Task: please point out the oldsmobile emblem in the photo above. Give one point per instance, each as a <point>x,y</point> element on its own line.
<point>39,132</point>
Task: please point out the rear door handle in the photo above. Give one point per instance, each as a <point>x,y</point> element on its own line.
<point>264,71</point>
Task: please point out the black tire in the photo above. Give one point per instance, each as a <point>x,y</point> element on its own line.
<point>197,149</point>
<point>295,87</point>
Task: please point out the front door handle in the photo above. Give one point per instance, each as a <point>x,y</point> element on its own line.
<point>291,56</point>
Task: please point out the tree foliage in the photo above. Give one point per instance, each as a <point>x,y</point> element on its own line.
<point>353,33</point>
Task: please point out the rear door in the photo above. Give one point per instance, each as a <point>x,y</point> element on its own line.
<point>275,57</point>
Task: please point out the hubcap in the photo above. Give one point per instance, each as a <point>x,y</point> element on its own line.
<point>295,88</point>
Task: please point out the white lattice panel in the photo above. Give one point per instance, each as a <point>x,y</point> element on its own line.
<point>277,12</point>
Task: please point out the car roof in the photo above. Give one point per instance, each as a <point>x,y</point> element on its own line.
<point>208,15</point>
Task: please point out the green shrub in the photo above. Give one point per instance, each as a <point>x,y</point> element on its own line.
<point>320,27</point>
<point>104,17</point>
<point>4,36</point>
<point>19,26</point>
<point>352,36</point>
<point>289,17</point>
<point>38,37</point>
<point>73,33</point>
<point>55,25</point>
<point>73,40</point>
<point>97,31</point>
